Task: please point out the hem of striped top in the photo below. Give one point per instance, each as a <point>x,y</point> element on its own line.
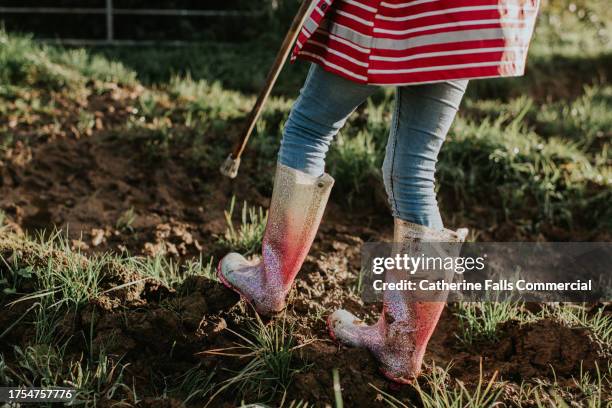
<point>335,69</point>
<point>437,81</point>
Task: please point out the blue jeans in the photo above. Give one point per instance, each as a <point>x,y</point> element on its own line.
<point>422,117</point>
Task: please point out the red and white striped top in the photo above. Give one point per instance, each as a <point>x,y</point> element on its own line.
<point>401,42</point>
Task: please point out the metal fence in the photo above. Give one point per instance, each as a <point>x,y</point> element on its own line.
<point>109,12</point>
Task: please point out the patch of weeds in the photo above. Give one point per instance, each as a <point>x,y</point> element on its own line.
<point>352,161</point>
<point>163,269</point>
<point>49,366</point>
<point>194,385</point>
<point>46,322</point>
<point>590,390</point>
<point>125,221</point>
<point>94,66</point>
<point>532,180</point>
<point>86,122</point>
<point>599,322</point>
<point>271,362</point>
<point>172,273</point>
<point>438,391</point>
<point>479,321</point>
<point>13,276</point>
<point>247,237</point>
<point>197,267</point>
<point>25,61</point>
<point>5,372</point>
<point>208,100</point>
<point>73,282</point>
<point>592,387</point>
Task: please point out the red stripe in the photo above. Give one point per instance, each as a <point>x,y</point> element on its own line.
<point>436,76</point>
<point>352,24</point>
<point>332,69</point>
<point>337,60</point>
<point>441,61</point>
<point>338,46</point>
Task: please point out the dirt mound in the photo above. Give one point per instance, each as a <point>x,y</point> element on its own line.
<point>541,349</point>
<point>534,349</point>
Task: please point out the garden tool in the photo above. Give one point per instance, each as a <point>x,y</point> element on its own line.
<point>296,209</point>
<point>399,339</point>
<point>232,163</point>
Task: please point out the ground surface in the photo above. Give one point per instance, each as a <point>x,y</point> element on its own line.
<point>130,170</point>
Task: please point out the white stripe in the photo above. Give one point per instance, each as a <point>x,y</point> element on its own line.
<point>404,5</point>
<point>340,54</point>
<point>358,19</point>
<point>447,25</point>
<point>367,41</point>
<point>330,64</point>
<point>360,5</point>
<point>453,10</point>
<point>318,10</point>
<point>439,68</point>
<point>305,32</point>
<point>446,53</point>
<point>348,43</point>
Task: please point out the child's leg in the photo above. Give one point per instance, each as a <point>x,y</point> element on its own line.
<point>300,193</point>
<point>324,104</point>
<point>422,118</point>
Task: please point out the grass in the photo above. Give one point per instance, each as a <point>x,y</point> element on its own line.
<point>480,321</point>
<point>171,273</point>
<point>61,274</point>
<point>64,276</point>
<point>25,62</point>
<point>195,385</point>
<point>439,391</point>
<point>517,166</point>
<point>125,221</point>
<point>593,386</point>
<point>247,236</point>
<point>269,351</point>
<point>599,323</point>
<point>46,366</point>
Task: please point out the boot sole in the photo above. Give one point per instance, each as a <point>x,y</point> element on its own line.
<point>330,331</point>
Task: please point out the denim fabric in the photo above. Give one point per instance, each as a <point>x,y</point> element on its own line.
<point>421,119</point>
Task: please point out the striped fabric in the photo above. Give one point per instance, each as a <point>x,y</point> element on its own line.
<point>401,42</point>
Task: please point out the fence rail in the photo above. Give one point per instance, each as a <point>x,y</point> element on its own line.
<point>110,11</point>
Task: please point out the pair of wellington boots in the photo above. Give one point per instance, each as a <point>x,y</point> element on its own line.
<point>398,340</point>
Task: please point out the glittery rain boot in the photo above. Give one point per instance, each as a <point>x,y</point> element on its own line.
<point>296,209</point>
<point>399,339</point>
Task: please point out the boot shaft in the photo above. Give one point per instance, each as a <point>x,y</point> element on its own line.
<point>296,209</point>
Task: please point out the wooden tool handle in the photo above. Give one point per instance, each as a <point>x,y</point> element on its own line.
<point>281,57</point>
